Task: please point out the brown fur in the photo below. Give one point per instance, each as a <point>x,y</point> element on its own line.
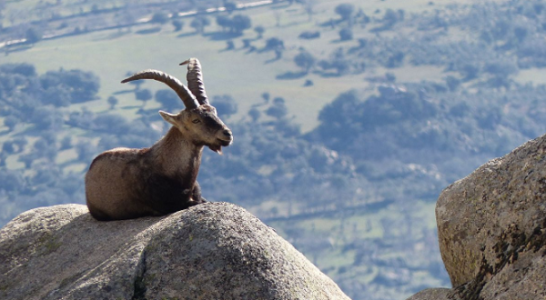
<point>125,183</point>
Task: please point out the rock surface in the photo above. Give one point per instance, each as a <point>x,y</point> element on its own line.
<point>492,228</point>
<point>432,294</point>
<point>210,251</point>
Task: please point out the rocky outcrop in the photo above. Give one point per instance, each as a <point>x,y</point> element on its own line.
<point>492,228</point>
<point>432,294</point>
<point>210,251</point>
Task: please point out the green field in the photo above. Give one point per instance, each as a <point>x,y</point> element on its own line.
<point>245,76</point>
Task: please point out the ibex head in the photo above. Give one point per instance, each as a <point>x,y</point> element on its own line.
<point>199,122</point>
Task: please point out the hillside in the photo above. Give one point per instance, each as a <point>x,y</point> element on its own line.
<point>349,135</point>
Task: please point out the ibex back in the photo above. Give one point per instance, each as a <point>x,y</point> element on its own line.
<point>125,183</point>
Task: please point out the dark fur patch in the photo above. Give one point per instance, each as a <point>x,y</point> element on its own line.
<point>167,194</point>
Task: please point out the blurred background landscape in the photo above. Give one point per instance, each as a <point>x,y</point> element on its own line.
<point>349,116</point>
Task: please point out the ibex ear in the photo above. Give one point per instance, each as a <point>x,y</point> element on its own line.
<point>168,117</point>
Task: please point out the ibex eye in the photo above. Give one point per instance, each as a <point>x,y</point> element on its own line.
<point>196,121</point>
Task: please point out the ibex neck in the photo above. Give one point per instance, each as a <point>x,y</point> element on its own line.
<point>177,155</point>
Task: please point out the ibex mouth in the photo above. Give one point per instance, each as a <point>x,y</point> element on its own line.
<point>221,143</point>
<point>216,148</point>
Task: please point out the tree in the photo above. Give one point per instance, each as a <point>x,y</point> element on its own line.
<point>225,105</point>
<point>168,99</point>
<point>309,35</point>
<point>345,10</point>
<point>143,95</point>
<point>274,43</point>
<point>81,86</point>
<point>71,183</point>
<point>396,60</point>
<point>469,71</point>
<point>346,34</point>
<point>111,123</point>
<point>46,149</point>
<point>278,110</point>
<point>309,6</point>
<point>113,101</point>
<point>66,142</point>
<point>24,69</point>
<point>85,150</point>
<point>223,21</point>
<point>199,24</point>
<point>265,96</point>
<point>20,142</point>
<point>108,142</point>
<point>452,83</point>
<point>342,66</point>
<point>240,23</point>
<point>254,114</point>
<point>28,159</point>
<point>10,122</point>
<point>11,180</point>
<point>160,17</point>
<point>8,147</point>
<point>33,35</point>
<point>230,6</point>
<point>2,6</point>
<point>521,33</point>
<point>50,137</point>
<point>391,17</point>
<point>305,60</point>
<point>178,25</point>
<point>230,45</point>
<point>278,100</point>
<point>47,117</point>
<point>278,53</point>
<point>362,43</point>
<point>247,43</point>
<point>82,119</point>
<point>501,68</point>
<point>57,96</point>
<point>259,30</point>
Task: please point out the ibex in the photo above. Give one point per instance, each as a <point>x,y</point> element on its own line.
<point>125,183</point>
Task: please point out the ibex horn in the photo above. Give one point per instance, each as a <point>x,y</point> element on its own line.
<point>195,80</point>
<point>185,95</point>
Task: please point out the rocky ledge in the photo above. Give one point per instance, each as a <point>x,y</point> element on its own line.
<point>210,251</point>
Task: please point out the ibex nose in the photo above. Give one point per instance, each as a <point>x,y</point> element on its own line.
<point>227,133</point>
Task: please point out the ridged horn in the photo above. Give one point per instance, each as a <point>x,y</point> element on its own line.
<point>195,80</point>
<point>185,95</point>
